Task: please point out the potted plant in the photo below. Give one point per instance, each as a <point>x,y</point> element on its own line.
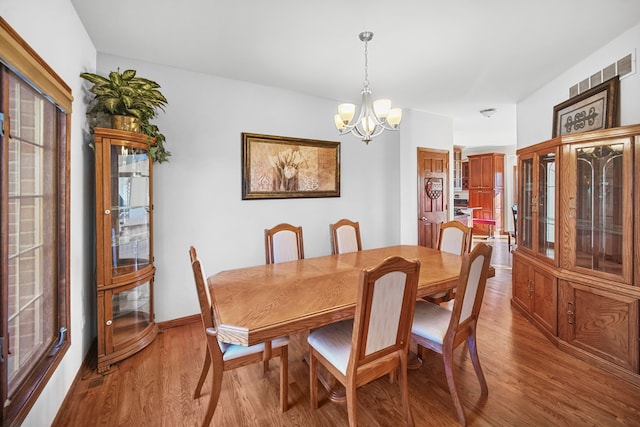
<point>131,102</point>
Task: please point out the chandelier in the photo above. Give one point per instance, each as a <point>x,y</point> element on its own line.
<point>374,117</point>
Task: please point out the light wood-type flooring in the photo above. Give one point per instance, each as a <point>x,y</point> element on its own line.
<point>531,383</point>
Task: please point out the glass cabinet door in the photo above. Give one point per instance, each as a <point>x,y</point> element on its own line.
<point>601,209</point>
<point>130,210</point>
<point>546,209</point>
<point>130,313</point>
<point>537,208</point>
<point>525,208</point>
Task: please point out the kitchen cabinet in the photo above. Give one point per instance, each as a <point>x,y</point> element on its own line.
<point>457,169</point>
<point>465,175</point>
<point>486,190</point>
<point>124,245</point>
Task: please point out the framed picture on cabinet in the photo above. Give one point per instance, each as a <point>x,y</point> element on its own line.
<point>277,167</point>
<point>596,108</point>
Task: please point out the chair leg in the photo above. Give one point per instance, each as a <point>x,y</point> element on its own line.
<point>313,380</point>
<point>203,374</point>
<point>403,383</point>
<point>284,378</point>
<point>216,386</point>
<point>473,351</point>
<point>447,355</point>
<point>352,403</point>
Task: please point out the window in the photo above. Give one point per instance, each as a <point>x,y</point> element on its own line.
<point>35,110</point>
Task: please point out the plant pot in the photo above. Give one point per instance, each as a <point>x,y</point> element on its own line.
<point>128,123</point>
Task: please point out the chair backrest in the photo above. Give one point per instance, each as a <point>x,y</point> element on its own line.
<point>384,310</point>
<point>514,212</point>
<point>470,289</point>
<point>454,238</point>
<point>345,237</point>
<point>283,243</point>
<point>209,314</point>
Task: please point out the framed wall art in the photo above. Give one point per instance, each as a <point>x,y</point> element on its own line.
<point>596,108</point>
<point>277,167</point>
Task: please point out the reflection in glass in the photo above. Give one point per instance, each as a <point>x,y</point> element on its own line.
<point>526,210</point>
<point>130,211</point>
<point>598,215</point>
<point>546,204</point>
<point>131,312</point>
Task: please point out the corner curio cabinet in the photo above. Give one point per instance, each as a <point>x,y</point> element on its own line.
<point>576,268</point>
<point>124,245</point>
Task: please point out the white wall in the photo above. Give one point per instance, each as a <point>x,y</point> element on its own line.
<point>535,113</point>
<point>68,52</point>
<point>419,130</point>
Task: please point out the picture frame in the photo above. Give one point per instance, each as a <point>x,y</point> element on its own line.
<point>596,108</point>
<point>278,167</point>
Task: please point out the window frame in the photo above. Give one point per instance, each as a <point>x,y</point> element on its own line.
<point>21,59</point>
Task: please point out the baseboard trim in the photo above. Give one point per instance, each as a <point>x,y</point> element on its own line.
<point>181,321</point>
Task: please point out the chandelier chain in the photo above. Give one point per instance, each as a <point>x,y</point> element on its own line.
<point>366,63</point>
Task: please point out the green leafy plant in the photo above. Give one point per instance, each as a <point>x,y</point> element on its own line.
<point>128,95</point>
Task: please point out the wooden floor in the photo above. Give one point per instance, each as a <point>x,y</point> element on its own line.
<point>531,383</point>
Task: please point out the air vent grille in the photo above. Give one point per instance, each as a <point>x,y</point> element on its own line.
<point>623,67</point>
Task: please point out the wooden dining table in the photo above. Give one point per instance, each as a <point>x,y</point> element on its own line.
<point>264,302</point>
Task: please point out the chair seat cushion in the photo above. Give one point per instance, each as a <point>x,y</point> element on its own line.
<point>233,351</point>
<point>333,342</point>
<point>430,321</point>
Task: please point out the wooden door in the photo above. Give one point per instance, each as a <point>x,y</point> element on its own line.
<point>433,194</point>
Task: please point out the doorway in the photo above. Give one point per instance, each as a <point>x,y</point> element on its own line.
<point>433,194</point>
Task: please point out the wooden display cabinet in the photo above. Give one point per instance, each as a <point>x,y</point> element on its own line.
<point>582,272</point>
<point>124,245</point>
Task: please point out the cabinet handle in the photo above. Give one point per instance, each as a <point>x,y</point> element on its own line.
<point>107,211</point>
<point>109,322</point>
<point>572,207</point>
<point>571,313</point>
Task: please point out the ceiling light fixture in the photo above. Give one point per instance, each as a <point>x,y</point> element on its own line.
<point>488,112</point>
<point>374,117</point>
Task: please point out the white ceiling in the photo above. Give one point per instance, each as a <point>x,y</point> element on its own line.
<point>447,57</point>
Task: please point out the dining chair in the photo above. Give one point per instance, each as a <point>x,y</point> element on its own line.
<point>514,233</point>
<point>442,330</point>
<point>376,341</point>
<point>283,243</point>
<point>345,237</point>
<point>223,356</point>
<point>454,238</point>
